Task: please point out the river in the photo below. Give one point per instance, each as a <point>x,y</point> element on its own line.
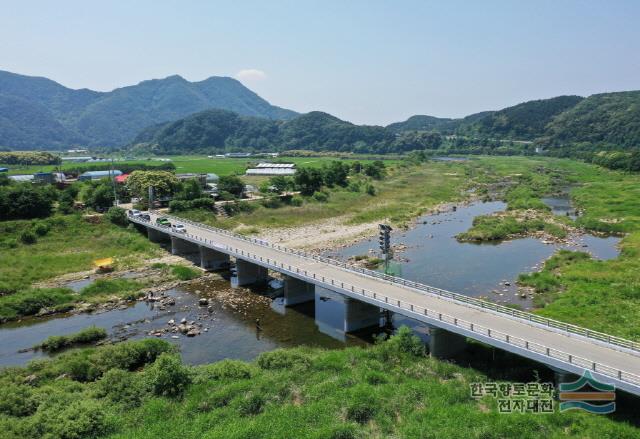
<point>432,256</point>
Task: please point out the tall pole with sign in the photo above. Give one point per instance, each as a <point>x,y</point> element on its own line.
<point>385,244</point>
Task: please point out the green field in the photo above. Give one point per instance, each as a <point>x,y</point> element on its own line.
<point>190,163</point>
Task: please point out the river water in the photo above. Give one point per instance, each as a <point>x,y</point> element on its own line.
<point>433,256</point>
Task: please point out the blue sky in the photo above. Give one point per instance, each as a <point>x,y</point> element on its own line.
<point>369,62</point>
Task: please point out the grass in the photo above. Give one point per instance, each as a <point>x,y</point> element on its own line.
<point>388,390</point>
<point>404,194</point>
<point>85,336</point>
<point>601,295</point>
<point>71,245</point>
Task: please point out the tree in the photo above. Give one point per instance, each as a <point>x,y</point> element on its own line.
<point>164,183</point>
<point>65,202</point>
<point>100,196</point>
<point>231,184</point>
<point>117,216</point>
<point>191,190</point>
<point>280,182</point>
<point>308,180</point>
<point>336,174</point>
<point>24,201</point>
<point>375,170</point>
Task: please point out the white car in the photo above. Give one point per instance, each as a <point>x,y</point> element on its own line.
<point>178,228</point>
<point>135,213</point>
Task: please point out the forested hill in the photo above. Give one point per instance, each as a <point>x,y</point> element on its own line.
<point>525,121</point>
<point>608,119</point>
<point>218,130</point>
<point>605,121</point>
<point>38,113</point>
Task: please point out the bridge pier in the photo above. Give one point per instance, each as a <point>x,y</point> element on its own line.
<point>183,247</point>
<point>562,376</point>
<point>155,235</point>
<point>213,260</point>
<point>444,344</point>
<point>336,315</point>
<point>297,291</point>
<point>249,273</point>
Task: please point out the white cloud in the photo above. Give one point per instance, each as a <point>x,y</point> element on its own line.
<point>251,75</point>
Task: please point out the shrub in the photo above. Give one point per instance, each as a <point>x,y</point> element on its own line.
<point>17,400</point>
<point>271,203</point>
<point>130,355</point>
<point>321,197</point>
<point>296,201</point>
<point>251,405</point>
<point>85,336</point>
<point>75,419</point>
<point>122,387</point>
<point>30,302</point>
<point>41,229</point>
<point>28,237</point>
<point>225,369</point>
<point>167,376</point>
<point>117,216</point>
<point>371,190</point>
<point>282,359</point>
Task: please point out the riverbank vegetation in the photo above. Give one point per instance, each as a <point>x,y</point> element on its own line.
<point>85,336</point>
<point>600,295</point>
<point>141,389</point>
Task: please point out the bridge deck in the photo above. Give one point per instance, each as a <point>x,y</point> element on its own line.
<point>566,351</point>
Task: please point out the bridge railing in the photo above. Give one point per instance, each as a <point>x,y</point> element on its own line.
<point>483,304</point>
<point>519,342</point>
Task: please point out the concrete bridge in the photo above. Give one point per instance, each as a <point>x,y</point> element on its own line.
<point>357,295</point>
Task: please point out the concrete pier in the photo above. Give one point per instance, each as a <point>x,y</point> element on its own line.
<point>298,291</point>
<point>213,260</point>
<point>183,247</point>
<point>249,273</point>
<point>157,236</point>
<point>444,344</point>
<point>336,315</point>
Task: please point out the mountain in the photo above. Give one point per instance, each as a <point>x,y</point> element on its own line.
<point>425,123</point>
<point>525,121</point>
<point>611,119</point>
<point>112,118</point>
<point>220,130</point>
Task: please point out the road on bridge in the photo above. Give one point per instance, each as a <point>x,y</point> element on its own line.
<point>613,357</point>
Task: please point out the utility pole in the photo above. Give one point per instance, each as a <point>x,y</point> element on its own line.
<point>113,182</point>
<point>385,244</point>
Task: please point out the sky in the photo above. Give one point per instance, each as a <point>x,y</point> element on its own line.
<point>372,62</point>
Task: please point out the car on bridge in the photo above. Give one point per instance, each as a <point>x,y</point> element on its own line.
<point>134,212</point>
<point>178,228</point>
<point>145,217</point>
<point>162,221</point>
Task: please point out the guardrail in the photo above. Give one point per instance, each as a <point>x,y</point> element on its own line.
<point>483,304</point>
<point>522,343</point>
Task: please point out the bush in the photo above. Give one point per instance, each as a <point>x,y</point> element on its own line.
<point>117,216</point>
<point>85,336</point>
<point>17,400</point>
<point>30,302</point>
<point>251,405</point>
<point>271,203</point>
<point>75,419</point>
<point>28,237</point>
<point>167,376</point>
<point>321,197</point>
<point>122,387</point>
<point>282,359</point>
<point>371,190</point>
<point>225,369</point>
<point>296,201</point>
<point>41,229</point>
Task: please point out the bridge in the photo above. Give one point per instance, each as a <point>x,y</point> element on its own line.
<point>451,317</point>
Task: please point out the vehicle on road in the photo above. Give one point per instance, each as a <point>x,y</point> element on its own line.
<point>134,212</point>
<point>145,217</point>
<point>178,228</point>
<point>162,221</point>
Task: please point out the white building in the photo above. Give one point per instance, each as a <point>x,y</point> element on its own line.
<point>272,169</point>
